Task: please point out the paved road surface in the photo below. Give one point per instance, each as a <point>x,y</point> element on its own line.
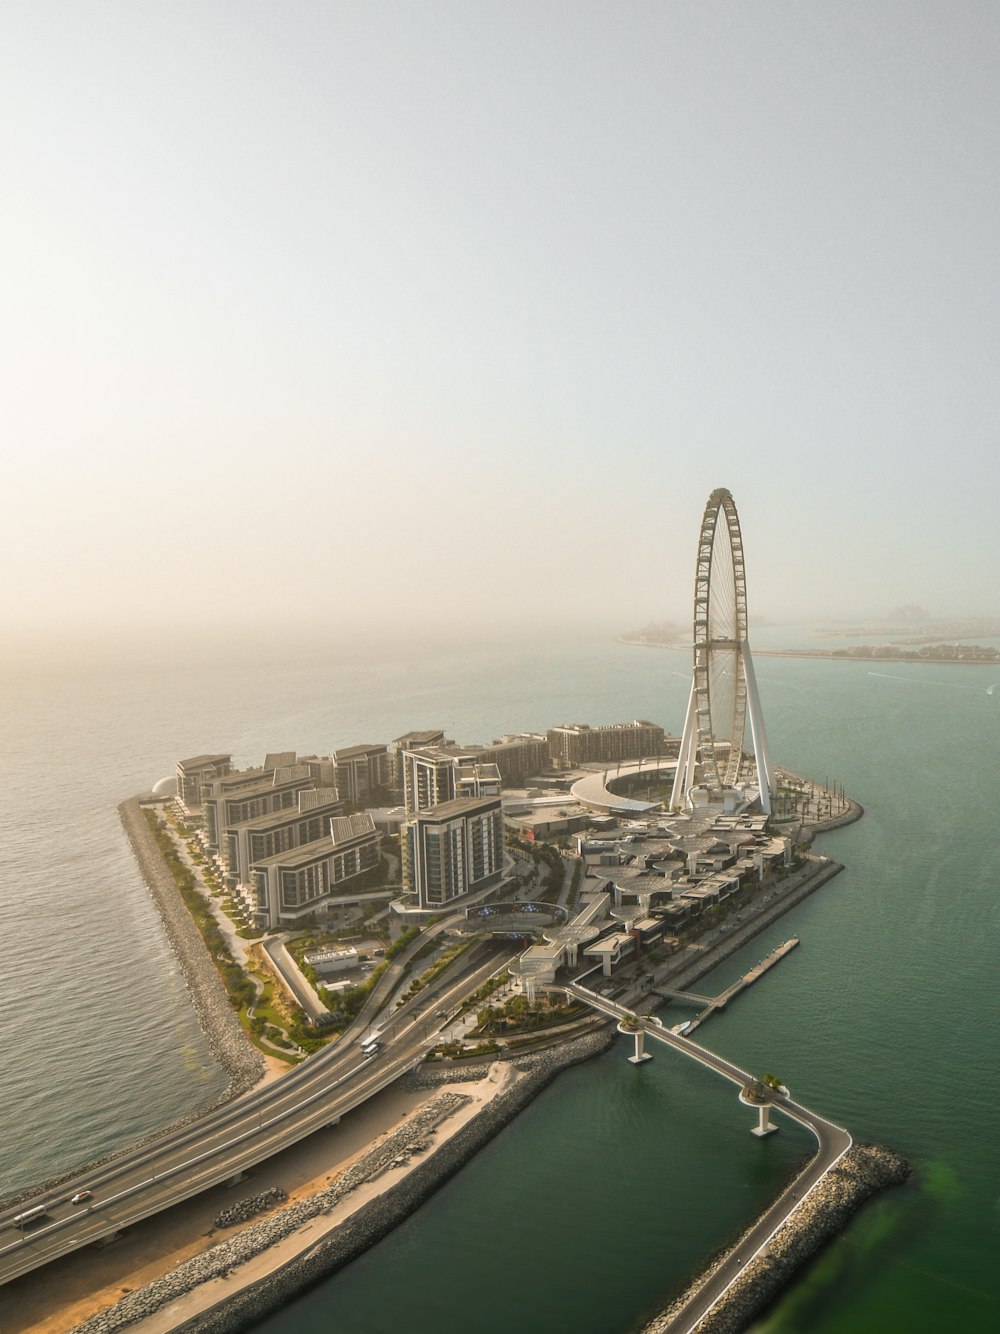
<point>236,1137</point>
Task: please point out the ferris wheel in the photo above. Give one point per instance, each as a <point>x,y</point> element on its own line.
<point>723,688</point>
<point>720,633</point>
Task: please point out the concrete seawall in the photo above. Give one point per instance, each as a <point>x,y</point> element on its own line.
<point>864,1170</point>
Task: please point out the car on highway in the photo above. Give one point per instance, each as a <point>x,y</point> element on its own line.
<point>82,1196</point>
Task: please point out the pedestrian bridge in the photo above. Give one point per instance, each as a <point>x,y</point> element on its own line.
<point>833,1142</point>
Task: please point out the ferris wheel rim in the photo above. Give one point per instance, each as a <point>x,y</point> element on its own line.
<point>720,634</point>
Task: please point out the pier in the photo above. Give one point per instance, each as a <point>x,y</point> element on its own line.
<point>724,997</point>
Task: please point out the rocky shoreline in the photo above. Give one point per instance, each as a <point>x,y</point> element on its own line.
<point>229,1045</point>
<point>363,1229</point>
<point>863,1171</point>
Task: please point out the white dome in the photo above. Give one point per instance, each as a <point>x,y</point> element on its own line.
<point>166,787</point>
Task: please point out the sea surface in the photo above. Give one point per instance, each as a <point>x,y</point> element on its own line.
<point>593,1207</point>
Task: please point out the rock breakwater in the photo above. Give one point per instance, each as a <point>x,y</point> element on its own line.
<point>229,1045</point>
<point>363,1229</point>
<point>863,1171</point>
<point>251,1207</point>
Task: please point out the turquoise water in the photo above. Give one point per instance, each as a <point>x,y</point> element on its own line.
<point>593,1207</point>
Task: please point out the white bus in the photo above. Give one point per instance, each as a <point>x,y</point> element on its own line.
<point>32,1215</point>
<point>370,1048</point>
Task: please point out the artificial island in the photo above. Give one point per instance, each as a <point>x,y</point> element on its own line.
<point>426,933</point>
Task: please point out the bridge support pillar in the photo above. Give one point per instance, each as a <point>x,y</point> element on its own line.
<point>639,1036</point>
<point>235,1181</point>
<point>764,1126</point>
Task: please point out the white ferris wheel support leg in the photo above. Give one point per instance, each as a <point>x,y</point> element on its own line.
<point>684,777</point>
<point>757,731</point>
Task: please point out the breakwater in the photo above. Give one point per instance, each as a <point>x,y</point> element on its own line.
<point>863,1171</point>
<point>229,1045</point>
<point>363,1229</point>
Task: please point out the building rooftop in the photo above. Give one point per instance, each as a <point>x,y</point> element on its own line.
<point>279,759</point>
<point>303,855</point>
<point>344,828</point>
<point>358,752</point>
<point>307,805</point>
<point>451,810</point>
<point>199,761</point>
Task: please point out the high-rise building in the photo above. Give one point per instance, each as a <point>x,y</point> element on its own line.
<point>243,796</point>
<point>275,832</point>
<point>435,774</point>
<point>453,849</point>
<point>409,741</point>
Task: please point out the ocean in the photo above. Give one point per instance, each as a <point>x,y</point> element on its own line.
<point>596,1204</point>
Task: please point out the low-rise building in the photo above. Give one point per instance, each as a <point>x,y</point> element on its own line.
<point>292,884</point>
<point>193,773</point>
<point>327,960</point>
<point>362,771</point>
<point>574,744</point>
<point>268,835</point>
<point>611,950</point>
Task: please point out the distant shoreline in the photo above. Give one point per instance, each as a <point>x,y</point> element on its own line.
<point>837,655</point>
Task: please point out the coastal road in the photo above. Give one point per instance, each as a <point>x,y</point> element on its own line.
<point>231,1140</point>
<point>833,1142</point>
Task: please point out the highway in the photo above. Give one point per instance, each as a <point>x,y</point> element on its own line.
<point>239,1135</point>
<point>833,1142</point>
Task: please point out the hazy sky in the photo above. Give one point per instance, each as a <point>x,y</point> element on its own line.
<point>323,312</point>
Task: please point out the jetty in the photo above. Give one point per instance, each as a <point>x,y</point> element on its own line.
<point>713,1003</point>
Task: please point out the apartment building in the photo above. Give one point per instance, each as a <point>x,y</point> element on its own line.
<point>194,773</point>
<point>574,744</point>
<point>291,884</point>
<point>409,741</point>
<point>361,771</point>
<point>436,774</point>
<point>453,849</point>
<point>239,797</point>
<point>517,757</point>
<point>279,831</point>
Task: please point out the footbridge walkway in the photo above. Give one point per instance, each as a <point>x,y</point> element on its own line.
<point>833,1142</point>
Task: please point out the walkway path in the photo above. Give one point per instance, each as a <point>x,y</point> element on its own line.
<point>832,1139</point>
